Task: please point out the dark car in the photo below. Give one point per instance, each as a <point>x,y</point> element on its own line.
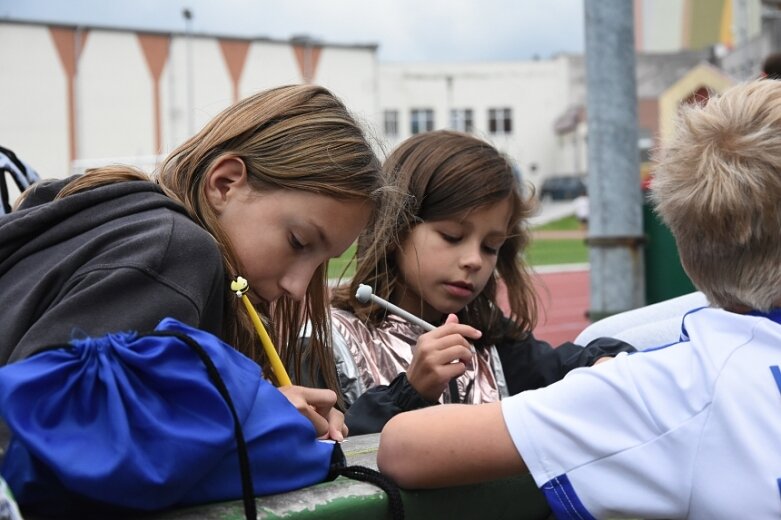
<point>562,187</point>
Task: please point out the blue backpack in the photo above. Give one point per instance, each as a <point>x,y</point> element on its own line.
<point>144,422</point>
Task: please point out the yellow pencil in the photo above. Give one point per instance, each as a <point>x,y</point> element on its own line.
<point>240,286</point>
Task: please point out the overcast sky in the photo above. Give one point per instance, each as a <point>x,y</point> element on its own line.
<point>405,30</point>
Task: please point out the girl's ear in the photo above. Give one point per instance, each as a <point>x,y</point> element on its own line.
<point>226,178</point>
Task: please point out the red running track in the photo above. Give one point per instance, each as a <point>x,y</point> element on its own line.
<point>564,301</point>
<point>564,298</point>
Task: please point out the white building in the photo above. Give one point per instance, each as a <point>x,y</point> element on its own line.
<point>73,97</point>
<point>513,105</point>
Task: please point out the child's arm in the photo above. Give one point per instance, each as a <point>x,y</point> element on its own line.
<point>448,445</point>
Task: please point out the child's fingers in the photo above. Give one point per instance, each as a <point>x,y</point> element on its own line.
<point>318,421</point>
<point>337,430</point>
<point>452,326</point>
<point>321,399</point>
<point>455,354</point>
<point>450,371</point>
<point>316,404</point>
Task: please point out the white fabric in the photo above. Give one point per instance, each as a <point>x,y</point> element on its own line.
<point>650,326</point>
<point>687,431</point>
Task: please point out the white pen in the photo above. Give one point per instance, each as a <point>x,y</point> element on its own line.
<point>365,293</point>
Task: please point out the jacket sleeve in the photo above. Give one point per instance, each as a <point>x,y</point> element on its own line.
<point>375,407</point>
<point>530,363</point>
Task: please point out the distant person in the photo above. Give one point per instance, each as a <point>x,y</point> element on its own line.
<point>582,209</point>
<point>686,431</point>
<point>463,231</point>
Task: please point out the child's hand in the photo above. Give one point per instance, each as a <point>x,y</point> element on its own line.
<point>441,355</point>
<point>317,405</point>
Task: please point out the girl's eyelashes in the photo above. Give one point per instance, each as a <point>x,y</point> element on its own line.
<point>453,239</point>
<point>295,243</point>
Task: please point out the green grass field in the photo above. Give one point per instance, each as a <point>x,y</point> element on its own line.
<point>337,266</point>
<point>557,251</point>
<point>541,252</point>
<point>563,224</point>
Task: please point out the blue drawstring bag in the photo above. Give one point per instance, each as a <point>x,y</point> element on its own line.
<point>145,422</point>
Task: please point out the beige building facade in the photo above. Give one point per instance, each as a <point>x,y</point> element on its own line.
<point>74,97</point>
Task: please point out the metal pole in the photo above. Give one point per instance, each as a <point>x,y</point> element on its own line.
<point>615,233</point>
<point>188,16</point>
<point>78,126</point>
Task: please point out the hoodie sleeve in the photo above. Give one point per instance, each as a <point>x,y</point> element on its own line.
<point>530,363</point>
<point>376,406</point>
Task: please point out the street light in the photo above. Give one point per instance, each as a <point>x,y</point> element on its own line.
<point>188,17</point>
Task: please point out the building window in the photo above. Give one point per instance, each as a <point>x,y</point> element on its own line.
<point>500,120</point>
<point>422,120</point>
<point>391,122</point>
<point>461,119</point>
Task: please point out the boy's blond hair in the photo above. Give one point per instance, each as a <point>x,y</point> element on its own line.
<point>717,186</point>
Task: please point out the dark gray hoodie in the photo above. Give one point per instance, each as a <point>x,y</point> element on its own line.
<point>115,258</point>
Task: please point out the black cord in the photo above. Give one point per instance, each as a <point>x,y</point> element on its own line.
<point>247,488</point>
<point>364,474</point>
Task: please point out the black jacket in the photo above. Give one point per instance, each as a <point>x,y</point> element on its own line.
<point>527,364</point>
<point>114,258</point>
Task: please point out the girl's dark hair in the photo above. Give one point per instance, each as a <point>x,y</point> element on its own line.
<point>446,174</point>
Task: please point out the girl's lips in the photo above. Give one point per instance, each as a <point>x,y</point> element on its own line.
<point>459,290</point>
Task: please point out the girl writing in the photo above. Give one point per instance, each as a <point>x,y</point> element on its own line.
<point>269,190</point>
<point>462,231</point>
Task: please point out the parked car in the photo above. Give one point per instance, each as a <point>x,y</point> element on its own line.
<point>562,187</point>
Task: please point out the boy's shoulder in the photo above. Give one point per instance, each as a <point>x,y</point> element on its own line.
<point>719,334</point>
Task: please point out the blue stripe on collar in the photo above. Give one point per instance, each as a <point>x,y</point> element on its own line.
<point>773,315</point>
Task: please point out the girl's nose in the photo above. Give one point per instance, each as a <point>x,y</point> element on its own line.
<point>296,280</point>
<point>471,257</point>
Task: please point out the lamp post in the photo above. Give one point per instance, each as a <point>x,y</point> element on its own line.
<point>188,17</point>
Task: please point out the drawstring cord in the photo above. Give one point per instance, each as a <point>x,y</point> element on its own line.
<point>247,487</point>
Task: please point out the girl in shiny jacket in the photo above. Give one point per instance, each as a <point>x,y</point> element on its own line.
<point>442,258</point>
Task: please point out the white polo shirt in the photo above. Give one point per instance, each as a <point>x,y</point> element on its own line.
<point>691,430</point>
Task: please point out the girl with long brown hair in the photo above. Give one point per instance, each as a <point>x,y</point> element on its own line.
<point>461,233</point>
<point>270,189</point>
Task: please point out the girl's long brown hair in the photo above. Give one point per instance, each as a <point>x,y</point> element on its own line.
<point>446,174</point>
<point>297,137</point>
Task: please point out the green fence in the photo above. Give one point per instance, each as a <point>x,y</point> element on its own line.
<point>514,498</point>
